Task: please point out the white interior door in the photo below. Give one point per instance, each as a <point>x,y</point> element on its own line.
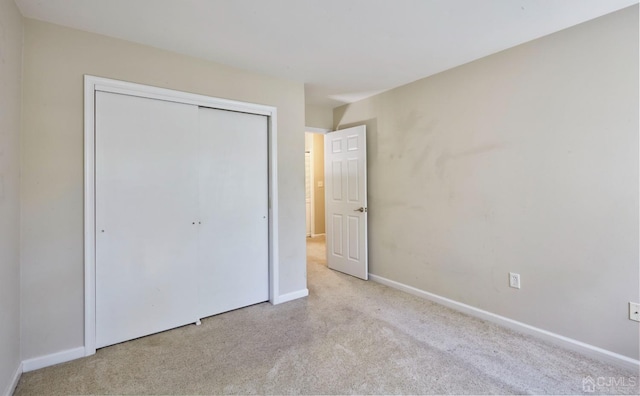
<point>346,201</point>
<point>233,269</point>
<point>146,207</point>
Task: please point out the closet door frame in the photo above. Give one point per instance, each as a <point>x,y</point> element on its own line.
<point>94,84</point>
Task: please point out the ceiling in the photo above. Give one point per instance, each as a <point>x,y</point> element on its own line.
<point>343,50</point>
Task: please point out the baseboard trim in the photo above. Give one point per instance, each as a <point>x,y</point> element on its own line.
<point>54,358</point>
<point>11,387</point>
<point>291,296</point>
<point>557,339</point>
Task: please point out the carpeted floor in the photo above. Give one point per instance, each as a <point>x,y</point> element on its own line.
<point>349,336</point>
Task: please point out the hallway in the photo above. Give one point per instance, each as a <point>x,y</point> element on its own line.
<point>316,250</point>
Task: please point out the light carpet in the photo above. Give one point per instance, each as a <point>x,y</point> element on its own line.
<point>348,337</point>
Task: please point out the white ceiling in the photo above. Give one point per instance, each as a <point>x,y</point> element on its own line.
<point>343,50</point>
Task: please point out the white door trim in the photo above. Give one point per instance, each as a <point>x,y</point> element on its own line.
<point>316,130</point>
<point>93,84</point>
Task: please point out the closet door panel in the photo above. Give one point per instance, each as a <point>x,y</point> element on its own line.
<point>146,204</point>
<point>233,238</point>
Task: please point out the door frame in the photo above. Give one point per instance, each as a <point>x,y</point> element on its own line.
<point>92,84</point>
<point>312,210</point>
<point>314,131</point>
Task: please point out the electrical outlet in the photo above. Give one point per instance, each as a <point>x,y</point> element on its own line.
<point>634,311</point>
<point>514,280</point>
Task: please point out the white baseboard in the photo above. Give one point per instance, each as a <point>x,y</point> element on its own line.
<point>11,387</point>
<point>290,296</point>
<point>54,358</point>
<point>566,342</point>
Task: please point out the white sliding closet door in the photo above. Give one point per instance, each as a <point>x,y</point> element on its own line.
<point>181,214</point>
<point>146,204</point>
<point>233,237</point>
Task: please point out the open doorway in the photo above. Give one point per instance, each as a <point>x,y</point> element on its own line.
<point>315,195</point>
<point>343,235</point>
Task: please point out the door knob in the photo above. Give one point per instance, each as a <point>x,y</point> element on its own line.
<point>361,210</point>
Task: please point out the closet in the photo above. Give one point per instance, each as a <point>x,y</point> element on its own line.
<point>181,214</point>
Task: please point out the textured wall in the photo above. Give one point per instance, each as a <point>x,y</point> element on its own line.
<point>318,117</point>
<point>55,59</point>
<point>10,92</point>
<point>523,161</point>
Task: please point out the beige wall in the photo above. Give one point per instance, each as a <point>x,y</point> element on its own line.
<point>524,161</point>
<point>318,192</point>
<point>55,60</point>
<point>318,116</point>
<point>10,91</point>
